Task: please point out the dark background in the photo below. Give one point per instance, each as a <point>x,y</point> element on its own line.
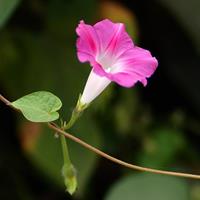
<point>157,126</point>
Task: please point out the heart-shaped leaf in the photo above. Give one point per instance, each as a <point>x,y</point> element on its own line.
<point>39,106</point>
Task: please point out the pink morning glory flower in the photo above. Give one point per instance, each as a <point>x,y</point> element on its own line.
<point>113,57</point>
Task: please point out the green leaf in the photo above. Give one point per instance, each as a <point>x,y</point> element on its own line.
<point>39,106</point>
<point>149,186</point>
<point>6,9</point>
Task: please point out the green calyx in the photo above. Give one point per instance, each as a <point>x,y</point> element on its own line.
<point>70,179</point>
<point>76,113</point>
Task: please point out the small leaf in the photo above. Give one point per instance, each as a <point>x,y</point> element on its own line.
<point>39,106</point>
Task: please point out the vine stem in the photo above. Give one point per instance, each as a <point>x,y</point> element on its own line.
<point>7,102</point>
<point>118,161</point>
<point>54,127</point>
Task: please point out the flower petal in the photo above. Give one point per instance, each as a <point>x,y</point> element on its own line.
<point>134,65</point>
<point>102,43</point>
<point>112,54</point>
<point>113,38</point>
<point>94,86</point>
<point>87,43</point>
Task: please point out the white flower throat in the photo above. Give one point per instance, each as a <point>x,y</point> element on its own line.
<point>106,62</point>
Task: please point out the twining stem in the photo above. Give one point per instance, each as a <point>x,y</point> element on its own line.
<point>7,102</point>
<point>115,160</point>
<point>3,99</point>
<point>111,158</point>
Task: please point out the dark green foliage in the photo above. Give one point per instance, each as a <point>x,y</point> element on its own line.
<point>157,126</point>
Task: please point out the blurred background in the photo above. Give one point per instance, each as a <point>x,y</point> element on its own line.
<point>157,126</point>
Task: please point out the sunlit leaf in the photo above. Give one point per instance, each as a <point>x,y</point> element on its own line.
<point>39,106</point>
